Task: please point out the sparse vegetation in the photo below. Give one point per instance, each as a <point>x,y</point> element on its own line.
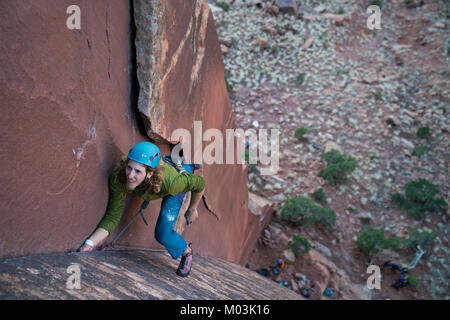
<point>377,3</point>
<point>423,132</point>
<point>304,211</point>
<point>251,166</point>
<point>417,237</point>
<point>420,150</point>
<point>224,5</point>
<point>300,132</point>
<point>420,197</point>
<point>338,166</point>
<point>320,196</point>
<point>371,241</point>
<point>413,281</point>
<point>229,86</point>
<point>299,245</point>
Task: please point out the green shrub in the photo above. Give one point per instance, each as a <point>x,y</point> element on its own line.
<point>299,245</point>
<point>371,241</point>
<point>378,95</point>
<point>413,281</point>
<point>251,166</point>
<point>423,238</point>
<point>300,132</point>
<point>340,11</point>
<point>393,243</point>
<point>224,5</point>
<point>306,212</point>
<point>419,198</point>
<point>338,166</point>
<point>227,83</point>
<point>339,71</point>
<point>300,79</point>
<point>423,132</point>
<point>377,3</point>
<point>420,150</point>
<point>327,217</point>
<point>320,196</point>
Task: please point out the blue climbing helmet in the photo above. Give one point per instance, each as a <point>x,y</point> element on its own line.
<point>146,153</point>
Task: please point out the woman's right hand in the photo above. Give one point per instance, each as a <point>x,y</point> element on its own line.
<point>86,247</point>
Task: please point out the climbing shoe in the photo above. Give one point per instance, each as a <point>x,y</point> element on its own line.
<point>185,264</point>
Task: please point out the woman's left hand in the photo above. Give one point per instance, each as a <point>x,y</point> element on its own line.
<point>191,215</point>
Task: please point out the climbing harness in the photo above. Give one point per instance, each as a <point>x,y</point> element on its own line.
<point>178,165</point>
<point>144,205</point>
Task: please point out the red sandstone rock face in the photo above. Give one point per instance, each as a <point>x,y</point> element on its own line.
<point>68,115</point>
<point>181,77</point>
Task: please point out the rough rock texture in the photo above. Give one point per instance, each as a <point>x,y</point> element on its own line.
<point>332,277</point>
<point>70,109</point>
<point>66,117</point>
<point>181,78</point>
<point>132,274</point>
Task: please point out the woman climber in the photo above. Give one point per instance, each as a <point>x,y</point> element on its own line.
<point>145,174</point>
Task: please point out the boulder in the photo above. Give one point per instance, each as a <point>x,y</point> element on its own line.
<point>273,10</point>
<point>263,43</point>
<point>338,19</point>
<point>289,255</point>
<point>402,142</point>
<point>439,25</point>
<point>393,120</point>
<point>320,8</point>
<point>287,6</point>
<point>225,50</point>
<point>323,250</point>
<point>308,43</point>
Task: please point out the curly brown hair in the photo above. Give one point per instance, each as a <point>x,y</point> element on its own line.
<point>153,184</point>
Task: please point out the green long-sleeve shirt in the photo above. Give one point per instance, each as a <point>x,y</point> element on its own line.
<point>173,183</point>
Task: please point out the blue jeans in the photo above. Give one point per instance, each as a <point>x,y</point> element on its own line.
<point>164,233</point>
